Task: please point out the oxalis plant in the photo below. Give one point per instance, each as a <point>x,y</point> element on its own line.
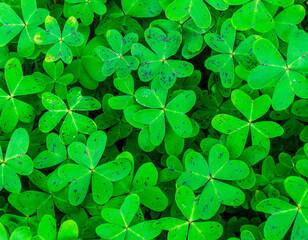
<point>153,119</point>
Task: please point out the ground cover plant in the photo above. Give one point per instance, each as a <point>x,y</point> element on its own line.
<point>153,119</point>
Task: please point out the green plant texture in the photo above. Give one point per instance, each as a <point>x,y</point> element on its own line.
<point>153,119</point>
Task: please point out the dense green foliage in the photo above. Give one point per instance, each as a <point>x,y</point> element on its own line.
<point>153,119</point>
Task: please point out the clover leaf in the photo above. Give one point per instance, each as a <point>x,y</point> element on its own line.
<point>12,25</point>
<point>119,128</point>
<point>224,44</point>
<point>286,76</point>
<point>116,19</point>
<point>13,109</point>
<point>157,111</point>
<point>286,20</point>
<point>141,8</point>
<point>254,14</point>
<point>237,130</point>
<point>199,174</point>
<point>115,59</point>
<point>125,86</point>
<point>57,80</point>
<point>22,232</point>
<point>16,161</point>
<point>85,9</point>
<point>54,155</point>
<point>24,217</point>
<point>144,184</point>
<point>86,170</point>
<point>190,228</point>
<point>73,122</point>
<point>47,229</point>
<point>43,200</point>
<point>158,63</point>
<point>119,221</point>
<point>192,35</point>
<point>179,10</point>
<point>60,42</point>
<point>283,214</point>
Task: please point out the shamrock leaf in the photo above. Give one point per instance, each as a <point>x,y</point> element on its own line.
<point>199,174</point>
<point>251,155</point>
<point>57,80</point>
<point>47,229</point>
<point>237,130</point>
<point>85,9</point>
<point>286,20</point>
<point>22,232</point>
<point>116,19</point>
<point>13,109</point>
<point>283,214</point>
<point>287,77</point>
<point>12,25</point>
<point>89,63</point>
<point>157,64</point>
<point>119,222</point>
<point>192,35</point>
<point>15,162</point>
<point>125,86</point>
<point>190,228</point>
<point>157,112</point>
<point>110,118</point>
<point>115,59</point>
<point>73,122</point>
<point>3,233</point>
<point>141,8</point>
<point>144,184</point>
<point>224,44</point>
<point>179,10</point>
<point>173,171</point>
<point>43,199</point>
<point>86,170</point>
<point>254,14</point>
<point>12,221</point>
<point>59,42</point>
<point>54,155</point>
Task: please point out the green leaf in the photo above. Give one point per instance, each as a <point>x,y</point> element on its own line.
<point>296,187</point>
<point>88,155</point>
<point>180,10</point>
<point>205,230</point>
<point>186,201</point>
<point>286,20</point>
<point>251,109</point>
<point>222,168</point>
<point>68,230</point>
<point>3,233</point>
<point>77,102</point>
<point>197,174</point>
<point>47,228</point>
<point>22,232</point>
<point>80,178</point>
<point>253,15</point>
<point>144,184</point>
<point>282,216</point>
<point>141,8</point>
<point>55,154</point>
<point>11,24</point>
<point>271,62</point>
<point>297,50</point>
